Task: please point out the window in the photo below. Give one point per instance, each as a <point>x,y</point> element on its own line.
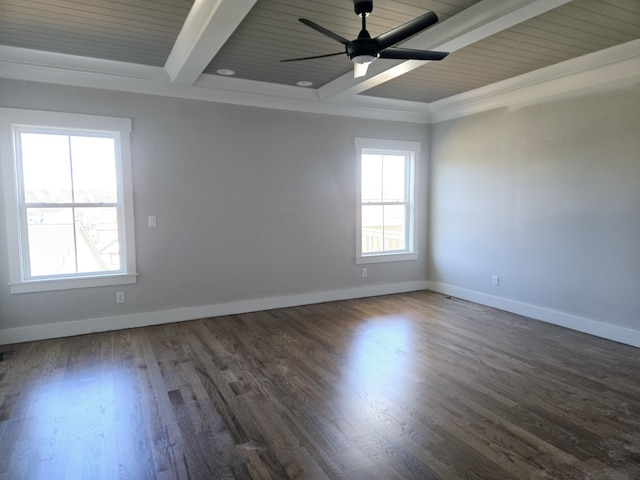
<point>68,200</point>
<point>386,210</point>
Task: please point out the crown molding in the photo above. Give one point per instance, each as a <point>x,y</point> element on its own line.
<point>62,69</point>
<point>615,66</point>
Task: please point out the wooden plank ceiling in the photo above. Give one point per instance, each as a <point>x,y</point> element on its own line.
<point>572,30</point>
<point>271,32</point>
<point>134,31</point>
<point>145,31</point>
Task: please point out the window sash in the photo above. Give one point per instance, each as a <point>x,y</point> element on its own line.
<point>407,156</point>
<point>76,245</point>
<point>26,230</point>
<point>385,226</point>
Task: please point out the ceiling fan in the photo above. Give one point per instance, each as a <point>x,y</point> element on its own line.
<point>364,49</point>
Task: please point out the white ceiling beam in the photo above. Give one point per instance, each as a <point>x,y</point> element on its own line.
<point>469,26</point>
<point>208,26</point>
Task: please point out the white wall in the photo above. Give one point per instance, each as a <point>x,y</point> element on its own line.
<point>251,204</point>
<point>548,198</point>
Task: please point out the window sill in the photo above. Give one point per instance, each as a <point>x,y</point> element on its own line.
<point>386,257</point>
<point>32,286</point>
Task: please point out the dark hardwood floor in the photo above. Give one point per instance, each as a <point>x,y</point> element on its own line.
<point>416,386</point>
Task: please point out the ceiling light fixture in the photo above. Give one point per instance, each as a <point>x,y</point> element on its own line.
<point>225,72</point>
<point>363,59</point>
<point>364,49</point>
<point>304,83</point>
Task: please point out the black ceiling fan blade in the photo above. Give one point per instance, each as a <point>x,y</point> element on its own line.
<point>324,31</point>
<point>411,54</point>
<point>311,58</point>
<point>405,31</point>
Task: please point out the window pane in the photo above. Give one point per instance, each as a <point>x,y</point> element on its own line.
<point>94,169</point>
<point>372,228</point>
<point>46,168</point>
<point>51,244</point>
<point>55,250</point>
<point>393,178</point>
<point>97,239</point>
<point>371,173</point>
<point>394,227</point>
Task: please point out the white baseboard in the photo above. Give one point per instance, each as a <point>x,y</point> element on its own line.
<point>103,324</point>
<point>580,324</point>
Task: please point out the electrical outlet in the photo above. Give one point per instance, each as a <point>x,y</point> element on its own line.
<point>364,273</point>
<point>119,297</point>
<point>495,280</point>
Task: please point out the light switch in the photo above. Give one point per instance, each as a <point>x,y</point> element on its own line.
<point>152,221</point>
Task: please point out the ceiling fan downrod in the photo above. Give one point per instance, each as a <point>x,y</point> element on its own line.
<point>363,51</point>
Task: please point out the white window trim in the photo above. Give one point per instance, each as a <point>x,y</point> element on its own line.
<point>412,237</point>
<point>13,117</point>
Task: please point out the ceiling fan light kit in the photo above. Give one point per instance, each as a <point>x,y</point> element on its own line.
<point>364,50</point>
<point>362,59</point>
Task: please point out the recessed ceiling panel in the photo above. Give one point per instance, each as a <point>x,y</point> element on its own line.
<point>271,32</point>
<point>135,31</point>
<point>574,29</point>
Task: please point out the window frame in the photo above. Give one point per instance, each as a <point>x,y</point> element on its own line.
<point>12,121</point>
<point>411,151</point>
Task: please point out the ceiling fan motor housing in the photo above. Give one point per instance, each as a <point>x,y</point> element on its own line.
<point>363,50</point>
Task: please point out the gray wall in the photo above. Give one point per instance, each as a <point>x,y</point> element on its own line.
<point>547,197</point>
<point>255,203</point>
<point>251,203</point>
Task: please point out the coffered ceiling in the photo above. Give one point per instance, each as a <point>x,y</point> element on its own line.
<point>177,48</point>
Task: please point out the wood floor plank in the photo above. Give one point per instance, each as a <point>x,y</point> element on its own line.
<point>409,386</point>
